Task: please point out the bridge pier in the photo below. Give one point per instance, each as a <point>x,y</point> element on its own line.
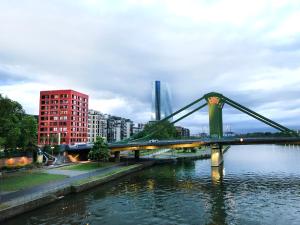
<point>216,155</point>
<point>117,156</point>
<point>137,154</point>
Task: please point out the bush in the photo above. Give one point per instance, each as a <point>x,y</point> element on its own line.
<point>56,150</point>
<point>99,151</point>
<point>47,149</point>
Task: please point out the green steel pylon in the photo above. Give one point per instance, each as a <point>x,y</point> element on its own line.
<point>215,107</point>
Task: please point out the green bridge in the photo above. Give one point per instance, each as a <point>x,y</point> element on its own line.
<point>215,102</point>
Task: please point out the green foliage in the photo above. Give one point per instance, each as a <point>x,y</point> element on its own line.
<point>24,180</point>
<point>88,166</point>
<point>47,148</point>
<point>158,130</point>
<point>16,128</point>
<point>28,129</point>
<point>2,141</point>
<point>100,150</point>
<point>56,149</point>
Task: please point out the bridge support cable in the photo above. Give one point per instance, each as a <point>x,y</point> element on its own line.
<point>183,108</point>
<point>264,118</point>
<point>190,113</point>
<point>258,116</point>
<point>173,122</point>
<point>255,117</point>
<point>153,130</point>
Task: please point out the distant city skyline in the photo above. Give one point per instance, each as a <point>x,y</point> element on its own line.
<point>113,50</point>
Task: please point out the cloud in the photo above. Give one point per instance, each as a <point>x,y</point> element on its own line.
<point>113,50</point>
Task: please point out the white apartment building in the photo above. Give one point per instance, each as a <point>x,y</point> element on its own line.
<point>97,125</point>
<point>112,128</point>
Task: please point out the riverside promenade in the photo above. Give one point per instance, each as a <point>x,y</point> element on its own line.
<point>17,202</point>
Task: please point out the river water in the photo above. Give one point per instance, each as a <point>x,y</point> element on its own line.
<point>258,185</point>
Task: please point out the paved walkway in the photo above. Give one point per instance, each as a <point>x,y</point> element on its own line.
<point>33,192</point>
<point>70,173</point>
<point>12,198</point>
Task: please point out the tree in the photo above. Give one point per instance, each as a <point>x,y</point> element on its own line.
<point>47,149</point>
<point>16,128</point>
<point>2,141</point>
<point>158,130</point>
<point>28,131</point>
<point>100,150</point>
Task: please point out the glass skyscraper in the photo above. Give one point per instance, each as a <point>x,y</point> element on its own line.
<point>161,100</point>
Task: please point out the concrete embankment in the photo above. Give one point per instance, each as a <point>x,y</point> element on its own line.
<point>96,181</point>
<point>12,208</point>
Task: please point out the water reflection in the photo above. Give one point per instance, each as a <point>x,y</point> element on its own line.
<point>217,174</point>
<point>259,181</point>
<point>218,195</point>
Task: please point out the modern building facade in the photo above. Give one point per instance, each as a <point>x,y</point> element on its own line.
<point>138,128</point>
<point>161,100</point>
<point>63,117</point>
<point>118,128</point>
<point>182,132</point>
<point>97,125</point>
<point>112,128</point>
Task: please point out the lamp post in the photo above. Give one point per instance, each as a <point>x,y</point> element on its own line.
<point>58,141</point>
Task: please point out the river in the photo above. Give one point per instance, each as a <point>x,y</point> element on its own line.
<point>257,185</point>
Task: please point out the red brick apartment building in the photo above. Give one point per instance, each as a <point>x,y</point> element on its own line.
<point>63,117</point>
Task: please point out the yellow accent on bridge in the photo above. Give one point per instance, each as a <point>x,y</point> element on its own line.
<point>153,146</point>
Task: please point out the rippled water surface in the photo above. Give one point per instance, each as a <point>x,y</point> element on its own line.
<point>260,185</point>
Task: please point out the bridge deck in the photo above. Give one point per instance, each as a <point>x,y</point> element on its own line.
<point>146,145</point>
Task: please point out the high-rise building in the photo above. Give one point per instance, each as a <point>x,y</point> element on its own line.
<point>63,117</point>
<point>161,101</point>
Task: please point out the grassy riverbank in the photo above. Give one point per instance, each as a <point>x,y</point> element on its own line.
<point>88,166</point>
<point>24,180</point>
<point>105,175</point>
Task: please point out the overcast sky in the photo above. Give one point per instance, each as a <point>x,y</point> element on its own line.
<point>112,50</point>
